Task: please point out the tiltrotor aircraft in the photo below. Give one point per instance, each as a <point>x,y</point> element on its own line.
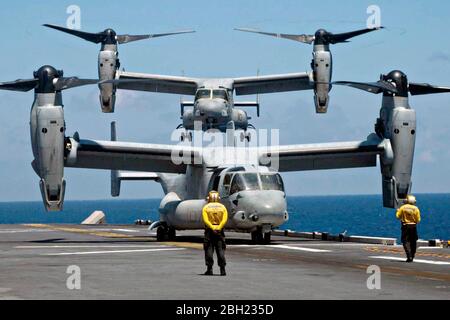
<point>322,62</point>
<point>213,105</point>
<point>108,57</point>
<point>250,186</point>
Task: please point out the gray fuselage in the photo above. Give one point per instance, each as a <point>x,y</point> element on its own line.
<point>253,196</point>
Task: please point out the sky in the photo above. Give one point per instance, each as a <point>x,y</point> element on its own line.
<point>415,40</point>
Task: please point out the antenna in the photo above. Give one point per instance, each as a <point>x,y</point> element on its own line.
<point>181,99</point>
<point>257,96</point>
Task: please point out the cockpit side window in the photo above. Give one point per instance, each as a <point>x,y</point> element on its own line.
<point>226,182</point>
<point>220,94</point>
<point>237,184</point>
<point>271,182</point>
<point>216,181</point>
<point>203,94</point>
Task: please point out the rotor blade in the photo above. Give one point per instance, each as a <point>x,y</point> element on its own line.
<point>92,37</point>
<point>343,37</point>
<point>72,82</point>
<point>125,38</point>
<point>425,88</point>
<point>372,87</point>
<point>19,85</point>
<point>295,37</point>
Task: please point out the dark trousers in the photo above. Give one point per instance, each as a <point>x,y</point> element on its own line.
<point>409,239</point>
<point>214,241</point>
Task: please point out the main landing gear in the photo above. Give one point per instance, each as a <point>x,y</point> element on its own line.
<point>164,233</point>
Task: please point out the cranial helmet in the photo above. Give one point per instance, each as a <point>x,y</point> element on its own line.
<point>410,199</point>
<point>213,196</point>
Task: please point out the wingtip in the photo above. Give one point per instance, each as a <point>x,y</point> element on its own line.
<point>246,29</point>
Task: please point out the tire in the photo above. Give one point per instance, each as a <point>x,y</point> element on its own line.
<point>267,237</point>
<point>161,234</point>
<point>257,237</point>
<point>172,234</point>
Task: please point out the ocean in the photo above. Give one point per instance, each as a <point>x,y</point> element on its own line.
<point>356,214</point>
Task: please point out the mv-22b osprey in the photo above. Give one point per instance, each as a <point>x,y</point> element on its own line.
<point>213,105</point>
<point>252,190</point>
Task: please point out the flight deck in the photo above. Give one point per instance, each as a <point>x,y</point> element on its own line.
<point>126,262</point>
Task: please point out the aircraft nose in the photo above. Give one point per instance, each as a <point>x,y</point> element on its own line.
<point>212,107</point>
<point>262,206</point>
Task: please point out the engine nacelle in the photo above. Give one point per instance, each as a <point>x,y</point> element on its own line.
<point>47,138</point>
<point>240,118</point>
<point>322,72</point>
<point>398,124</point>
<point>108,63</point>
<point>185,214</point>
<point>188,119</point>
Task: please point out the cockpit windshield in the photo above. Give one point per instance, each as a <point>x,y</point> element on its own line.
<point>271,182</point>
<point>220,94</point>
<point>203,94</point>
<point>254,181</point>
<point>244,182</point>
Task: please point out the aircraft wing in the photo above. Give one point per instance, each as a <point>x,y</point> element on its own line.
<point>273,83</point>
<point>117,155</point>
<point>322,156</point>
<point>155,83</point>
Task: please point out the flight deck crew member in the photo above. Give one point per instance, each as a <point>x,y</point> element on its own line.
<point>215,217</point>
<point>409,215</point>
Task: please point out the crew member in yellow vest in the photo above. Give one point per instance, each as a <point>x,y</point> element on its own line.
<point>215,217</point>
<point>409,215</point>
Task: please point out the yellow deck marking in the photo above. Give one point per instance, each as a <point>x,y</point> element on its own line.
<point>184,245</point>
<point>400,251</point>
<point>105,234</point>
<point>407,272</point>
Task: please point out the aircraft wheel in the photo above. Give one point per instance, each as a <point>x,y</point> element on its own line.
<point>257,237</point>
<point>267,237</point>
<point>245,136</point>
<point>186,136</point>
<point>172,234</point>
<point>161,234</point>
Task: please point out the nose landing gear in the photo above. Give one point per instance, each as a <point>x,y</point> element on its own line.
<point>245,136</point>
<point>186,136</point>
<point>260,237</point>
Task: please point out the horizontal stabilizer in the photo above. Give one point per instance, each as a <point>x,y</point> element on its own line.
<point>118,176</point>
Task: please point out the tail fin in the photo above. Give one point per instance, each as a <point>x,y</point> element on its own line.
<point>115,181</point>
<point>117,176</point>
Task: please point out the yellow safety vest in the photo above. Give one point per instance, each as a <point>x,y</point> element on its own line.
<point>215,216</point>
<point>408,214</point>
